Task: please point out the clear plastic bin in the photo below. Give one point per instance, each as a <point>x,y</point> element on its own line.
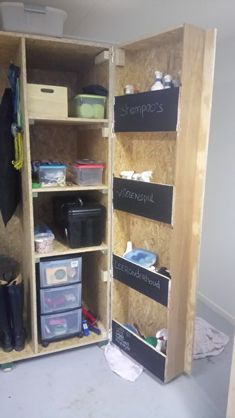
<point>61,299</point>
<point>17,16</point>
<point>87,173</point>
<point>88,106</point>
<point>59,326</point>
<point>51,175</point>
<point>60,271</point>
<point>44,242</point>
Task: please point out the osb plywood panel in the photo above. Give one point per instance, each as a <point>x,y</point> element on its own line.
<point>12,237</point>
<point>94,290</point>
<point>121,232</point>
<point>168,37</point>
<point>56,53</point>
<point>53,142</point>
<point>140,65</point>
<point>8,49</point>
<point>3,80</point>
<point>192,142</point>
<point>146,313</point>
<point>120,298</point>
<point>146,151</point>
<point>96,74</point>
<point>144,233</point>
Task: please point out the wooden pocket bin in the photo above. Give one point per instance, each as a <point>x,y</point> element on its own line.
<point>47,101</point>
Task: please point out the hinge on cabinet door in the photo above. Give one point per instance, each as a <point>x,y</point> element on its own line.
<point>102,57</point>
<point>118,57</point>
<point>35,194</point>
<point>105,132</point>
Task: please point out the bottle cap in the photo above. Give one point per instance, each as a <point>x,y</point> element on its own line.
<point>167,78</point>
<point>158,74</point>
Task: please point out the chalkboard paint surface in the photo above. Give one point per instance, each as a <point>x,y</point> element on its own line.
<point>138,350</point>
<point>143,280</point>
<point>153,201</point>
<point>147,112</point>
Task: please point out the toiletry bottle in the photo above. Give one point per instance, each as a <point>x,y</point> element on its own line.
<point>167,81</point>
<point>158,81</point>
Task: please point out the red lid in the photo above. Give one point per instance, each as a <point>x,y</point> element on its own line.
<point>88,164</point>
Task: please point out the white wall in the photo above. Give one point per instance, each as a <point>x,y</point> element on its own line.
<point>217,264</point>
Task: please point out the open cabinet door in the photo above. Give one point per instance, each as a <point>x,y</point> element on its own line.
<point>166,132</point>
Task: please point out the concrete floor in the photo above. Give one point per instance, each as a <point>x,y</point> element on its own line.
<point>79,384</point>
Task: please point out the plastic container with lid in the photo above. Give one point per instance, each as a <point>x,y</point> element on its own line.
<point>29,18</point>
<point>88,106</point>
<point>87,172</point>
<point>52,174</point>
<point>44,242</point>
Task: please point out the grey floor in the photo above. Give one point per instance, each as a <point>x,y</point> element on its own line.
<point>79,384</point>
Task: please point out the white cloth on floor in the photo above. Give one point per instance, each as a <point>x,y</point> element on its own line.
<point>121,364</point>
<point>208,341</point>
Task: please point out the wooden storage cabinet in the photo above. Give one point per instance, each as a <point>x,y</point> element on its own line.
<point>174,149</point>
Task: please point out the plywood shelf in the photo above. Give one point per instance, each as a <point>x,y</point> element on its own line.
<point>74,342</point>
<point>16,355</point>
<point>67,121</point>
<point>70,188</point>
<point>62,249</point>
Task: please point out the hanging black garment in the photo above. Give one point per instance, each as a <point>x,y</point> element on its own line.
<point>9,177</point>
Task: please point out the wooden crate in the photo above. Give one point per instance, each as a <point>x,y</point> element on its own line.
<point>47,101</point>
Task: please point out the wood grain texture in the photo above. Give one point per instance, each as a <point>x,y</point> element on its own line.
<point>144,59</point>
<point>28,224</point>
<point>192,139</point>
<point>146,151</point>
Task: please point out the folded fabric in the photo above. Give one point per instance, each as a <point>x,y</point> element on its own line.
<point>208,341</point>
<point>120,364</point>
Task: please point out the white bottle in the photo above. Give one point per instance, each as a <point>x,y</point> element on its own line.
<point>167,81</point>
<point>158,81</point>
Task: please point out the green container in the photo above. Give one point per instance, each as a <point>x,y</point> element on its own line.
<point>88,106</point>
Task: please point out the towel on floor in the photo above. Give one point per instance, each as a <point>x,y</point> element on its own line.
<point>120,364</point>
<point>208,341</point>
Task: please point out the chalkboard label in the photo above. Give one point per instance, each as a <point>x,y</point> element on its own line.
<point>147,112</point>
<point>153,201</point>
<point>141,279</point>
<point>139,350</point>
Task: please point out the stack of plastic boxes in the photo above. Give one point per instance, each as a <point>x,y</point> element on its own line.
<point>59,298</point>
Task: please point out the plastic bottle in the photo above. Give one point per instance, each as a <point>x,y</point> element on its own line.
<point>167,80</point>
<point>158,81</point>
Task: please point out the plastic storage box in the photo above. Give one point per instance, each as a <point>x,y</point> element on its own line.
<point>88,106</point>
<point>87,172</point>
<point>61,298</point>
<point>51,175</point>
<point>80,223</point>
<point>62,325</point>
<point>44,20</point>
<point>57,271</point>
<point>46,101</point>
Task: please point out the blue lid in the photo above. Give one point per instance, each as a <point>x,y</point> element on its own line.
<point>54,165</point>
<point>141,257</point>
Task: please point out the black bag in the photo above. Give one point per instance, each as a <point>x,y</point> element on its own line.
<point>9,176</point>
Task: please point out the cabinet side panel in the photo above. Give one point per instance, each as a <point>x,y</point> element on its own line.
<point>28,241</point>
<point>192,140</point>
<point>199,187</point>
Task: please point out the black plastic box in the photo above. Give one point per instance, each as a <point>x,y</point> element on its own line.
<point>80,223</point>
